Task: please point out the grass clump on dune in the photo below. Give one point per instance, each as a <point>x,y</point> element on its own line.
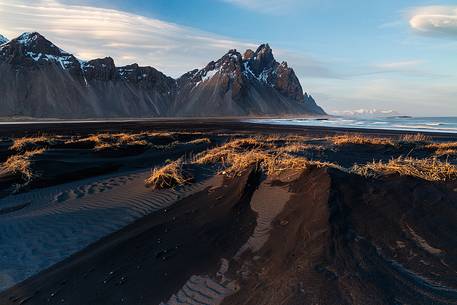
<point>24,143</point>
<point>443,149</point>
<point>428,169</point>
<point>235,158</point>
<point>21,163</point>
<point>106,140</point>
<point>415,138</point>
<point>200,141</point>
<point>168,176</point>
<point>298,147</point>
<point>360,140</point>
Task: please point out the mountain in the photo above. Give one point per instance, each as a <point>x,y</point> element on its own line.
<point>41,80</point>
<point>3,39</point>
<point>368,113</point>
<point>252,84</point>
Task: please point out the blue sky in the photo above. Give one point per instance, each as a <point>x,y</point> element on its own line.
<point>399,55</point>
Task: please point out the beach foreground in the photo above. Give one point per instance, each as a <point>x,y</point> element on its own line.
<point>232,213</point>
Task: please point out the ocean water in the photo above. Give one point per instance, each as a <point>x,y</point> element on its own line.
<point>419,124</point>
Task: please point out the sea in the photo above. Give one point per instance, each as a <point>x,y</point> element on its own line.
<point>401,123</point>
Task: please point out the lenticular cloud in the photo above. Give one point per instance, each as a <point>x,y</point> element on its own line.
<point>435,20</point>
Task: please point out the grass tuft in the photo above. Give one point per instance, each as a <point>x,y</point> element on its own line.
<point>21,163</point>
<point>415,138</point>
<point>429,169</point>
<point>444,149</point>
<point>360,140</point>
<point>24,143</point>
<point>168,176</point>
<point>237,156</point>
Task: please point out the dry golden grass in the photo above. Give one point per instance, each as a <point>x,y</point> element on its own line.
<point>20,144</point>
<point>168,176</point>
<point>360,140</point>
<point>21,163</point>
<point>200,141</point>
<point>446,152</point>
<point>106,141</point>
<point>415,138</point>
<point>235,158</point>
<point>298,147</point>
<point>443,149</point>
<point>428,169</point>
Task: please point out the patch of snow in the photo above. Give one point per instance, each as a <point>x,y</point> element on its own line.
<point>209,74</point>
<point>366,112</point>
<point>263,77</point>
<point>26,38</point>
<point>34,56</point>
<point>206,75</point>
<point>64,60</point>
<point>3,40</point>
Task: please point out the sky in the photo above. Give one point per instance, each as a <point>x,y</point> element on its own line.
<point>352,54</point>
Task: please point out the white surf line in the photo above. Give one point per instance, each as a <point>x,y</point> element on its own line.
<point>60,221</point>
<point>268,201</point>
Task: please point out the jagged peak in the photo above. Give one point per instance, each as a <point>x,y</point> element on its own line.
<point>27,38</point>
<point>106,60</point>
<point>264,48</point>
<point>232,54</point>
<point>3,39</point>
<point>248,54</point>
<point>37,43</point>
<point>308,97</point>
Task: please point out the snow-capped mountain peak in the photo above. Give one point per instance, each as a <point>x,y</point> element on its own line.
<point>366,112</point>
<point>32,47</point>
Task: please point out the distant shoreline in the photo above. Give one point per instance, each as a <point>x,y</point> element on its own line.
<point>17,129</point>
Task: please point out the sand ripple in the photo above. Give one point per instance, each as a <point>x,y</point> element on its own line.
<point>43,227</point>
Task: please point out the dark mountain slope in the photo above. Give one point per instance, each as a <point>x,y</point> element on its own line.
<point>41,80</point>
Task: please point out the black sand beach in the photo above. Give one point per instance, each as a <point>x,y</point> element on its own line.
<point>269,215</point>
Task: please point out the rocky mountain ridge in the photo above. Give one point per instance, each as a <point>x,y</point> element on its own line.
<point>42,80</point>
<point>3,39</point>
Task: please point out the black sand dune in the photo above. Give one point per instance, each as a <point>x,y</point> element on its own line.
<point>320,235</point>
<point>340,239</point>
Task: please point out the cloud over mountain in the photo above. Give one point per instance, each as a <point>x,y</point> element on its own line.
<point>91,32</point>
<point>435,20</point>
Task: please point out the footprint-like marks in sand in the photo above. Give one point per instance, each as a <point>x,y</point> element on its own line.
<point>59,221</point>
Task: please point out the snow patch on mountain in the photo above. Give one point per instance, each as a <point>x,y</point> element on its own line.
<point>209,74</point>
<point>366,113</point>
<point>27,38</point>
<point>65,60</point>
<point>3,39</point>
<point>263,76</point>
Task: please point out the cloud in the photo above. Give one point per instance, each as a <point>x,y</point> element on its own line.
<point>91,32</point>
<point>408,96</point>
<point>400,65</point>
<point>267,6</point>
<point>435,20</point>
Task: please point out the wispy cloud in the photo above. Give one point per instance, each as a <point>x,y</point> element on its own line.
<point>407,64</point>
<point>91,32</point>
<point>268,6</point>
<point>435,20</point>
